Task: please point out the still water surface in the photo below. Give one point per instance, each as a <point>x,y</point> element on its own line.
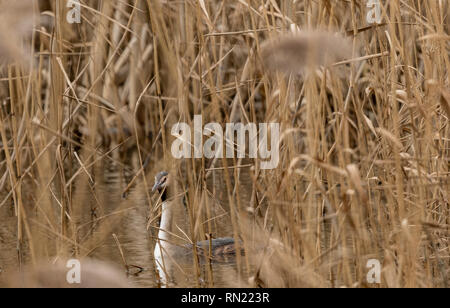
<point>129,224</point>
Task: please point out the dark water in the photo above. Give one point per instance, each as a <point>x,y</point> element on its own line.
<point>109,213</point>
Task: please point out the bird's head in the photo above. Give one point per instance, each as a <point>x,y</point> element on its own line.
<point>161,181</point>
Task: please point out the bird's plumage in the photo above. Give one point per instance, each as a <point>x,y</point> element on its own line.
<point>219,246</point>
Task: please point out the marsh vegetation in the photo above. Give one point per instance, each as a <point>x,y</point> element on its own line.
<point>86,112</point>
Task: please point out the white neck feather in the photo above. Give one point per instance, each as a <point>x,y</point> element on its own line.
<point>166,222</point>
<point>165,229</point>
<point>162,243</point>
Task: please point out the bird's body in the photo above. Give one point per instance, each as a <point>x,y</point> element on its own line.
<point>217,246</point>
<point>220,249</point>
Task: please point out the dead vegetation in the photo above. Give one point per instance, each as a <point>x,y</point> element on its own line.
<point>364,157</point>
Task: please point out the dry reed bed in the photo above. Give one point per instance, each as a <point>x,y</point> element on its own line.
<point>364,162</point>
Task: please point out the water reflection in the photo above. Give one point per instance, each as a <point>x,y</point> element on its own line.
<point>108,214</point>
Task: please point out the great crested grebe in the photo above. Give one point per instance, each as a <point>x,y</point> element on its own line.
<point>216,249</point>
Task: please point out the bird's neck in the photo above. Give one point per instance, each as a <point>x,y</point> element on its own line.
<point>163,246</point>
<point>165,227</point>
<point>164,195</point>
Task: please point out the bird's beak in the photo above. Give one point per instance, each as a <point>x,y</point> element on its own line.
<point>155,187</point>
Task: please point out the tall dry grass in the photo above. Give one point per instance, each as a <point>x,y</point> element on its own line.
<point>364,168</point>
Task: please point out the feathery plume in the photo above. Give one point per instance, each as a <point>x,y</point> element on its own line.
<point>16,23</point>
<point>304,51</point>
